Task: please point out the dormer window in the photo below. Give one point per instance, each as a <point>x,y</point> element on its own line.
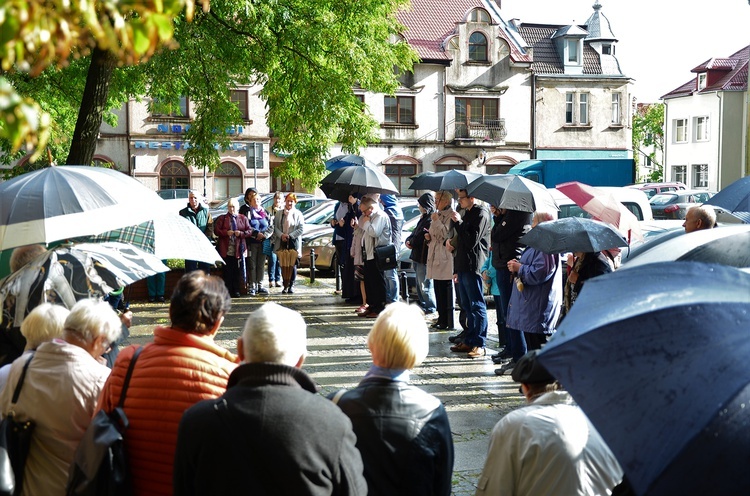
<point>477,47</point>
<point>572,47</point>
<point>479,15</point>
<point>608,49</point>
<point>702,80</point>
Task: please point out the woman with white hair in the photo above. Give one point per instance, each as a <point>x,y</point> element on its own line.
<point>232,229</point>
<point>402,432</point>
<point>535,300</point>
<point>60,391</point>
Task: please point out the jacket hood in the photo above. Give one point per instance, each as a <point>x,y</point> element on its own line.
<point>427,201</point>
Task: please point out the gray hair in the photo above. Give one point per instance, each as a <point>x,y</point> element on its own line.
<point>274,334</point>
<point>233,201</point>
<point>89,319</point>
<point>44,323</point>
<point>706,214</point>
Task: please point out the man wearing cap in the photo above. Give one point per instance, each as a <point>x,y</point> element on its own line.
<point>547,446</point>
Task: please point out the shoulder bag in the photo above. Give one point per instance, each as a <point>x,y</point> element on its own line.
<point>385,257</point>
<point>100,465</point>
<point>15,440</point>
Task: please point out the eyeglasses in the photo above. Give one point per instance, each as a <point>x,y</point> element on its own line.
<point>462,197</point>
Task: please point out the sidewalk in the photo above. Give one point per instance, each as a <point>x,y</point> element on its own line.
<point>338,358</point>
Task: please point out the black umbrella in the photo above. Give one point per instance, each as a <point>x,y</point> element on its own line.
<point>573,234</point>
<point>445,180</point>
<point>733,198</point>
<point>340,183</point>
<point>728,245</point>
<point>657,357</point>
<point>489,188</point>
<point>340,161</point>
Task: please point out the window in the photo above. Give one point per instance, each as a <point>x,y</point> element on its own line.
<point>399,109</point>
<point>679,173</point>
<point>569,103</point>
<point>680,130</point>
<point>479,15</point>
<point>701,129</point>
<point>478,47</point>
<point>401,174</point>
<point>476,115</point>
<point>583,104</point>
<point>572,46</point>
<point>450,163</point>
<point>254,156</point>
<point>174,175</point>
<point>227,181</point>
<point>239,97</point>
<point>700,176</point>
<point>159,109</point>
<point>608,49</point>
<point>702,80</point>
<point>616,119</point>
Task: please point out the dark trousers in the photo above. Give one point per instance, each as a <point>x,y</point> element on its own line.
<point>255,261</point>
<point>505,283</point>
<point>502,333</point>
<point>375,286</point>
<point>232,275</point>
<point>471,294</point>
<point>349,285</point>
<point>444,303</point>
<point>534,340</point>
<point>517,342</point>
<point>191,265</point>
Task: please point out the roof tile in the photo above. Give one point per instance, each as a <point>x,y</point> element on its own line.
<point>735,66</point>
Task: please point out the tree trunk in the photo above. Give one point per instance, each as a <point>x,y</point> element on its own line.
<point>92,108</point>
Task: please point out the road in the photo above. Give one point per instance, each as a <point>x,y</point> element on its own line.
<point>338,358</point>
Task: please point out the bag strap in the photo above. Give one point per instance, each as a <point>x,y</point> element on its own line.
<point>17,392</point>
<point>127,376</point>
<point>336,397</point>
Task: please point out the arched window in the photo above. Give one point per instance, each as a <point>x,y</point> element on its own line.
<point>478,47</point>
<point>451,162</point>
<point>227,181</point>
<point>174,175</point>
<point>479,15</point>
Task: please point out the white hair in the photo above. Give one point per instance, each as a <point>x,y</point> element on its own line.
<point>233,201</point>
<point>90,319</point>
<point>44,323</point>
<point>274,334</point>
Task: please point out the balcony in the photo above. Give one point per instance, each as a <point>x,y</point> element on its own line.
<point>481,130</point>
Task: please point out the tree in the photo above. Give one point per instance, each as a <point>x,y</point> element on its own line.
<point>306,55</point>
<point>648,131</point>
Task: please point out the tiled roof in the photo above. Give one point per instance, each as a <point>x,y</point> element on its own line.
<point>546,58</point>
<point>734,67</point>
<point>598,25</point>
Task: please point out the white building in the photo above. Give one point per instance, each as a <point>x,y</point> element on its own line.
<point>705,124</point>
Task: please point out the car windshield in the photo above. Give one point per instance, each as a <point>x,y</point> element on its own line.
<point>663,199</point>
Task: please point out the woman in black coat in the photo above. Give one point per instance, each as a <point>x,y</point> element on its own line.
<point>418,245</point>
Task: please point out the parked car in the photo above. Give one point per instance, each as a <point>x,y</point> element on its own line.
<point>652,189</point>
<point>305,201</point>
<point>675,205</point>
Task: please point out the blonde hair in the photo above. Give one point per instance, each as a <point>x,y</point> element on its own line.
<point>44,323</point>
<point>274,334</point>
<point>89,319</point>
<point>441,195</point>
<point>398,339</point>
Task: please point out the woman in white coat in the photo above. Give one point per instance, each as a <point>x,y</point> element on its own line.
<point>440,260</point>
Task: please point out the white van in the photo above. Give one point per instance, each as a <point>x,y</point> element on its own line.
<point>634,200</point>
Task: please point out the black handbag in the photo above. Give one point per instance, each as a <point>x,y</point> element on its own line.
<point>385,257</point>
<point>100,465</point>
<point>15,440</point>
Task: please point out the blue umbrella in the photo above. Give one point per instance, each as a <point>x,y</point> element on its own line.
<point>343,161</point>
<point>657,357</point>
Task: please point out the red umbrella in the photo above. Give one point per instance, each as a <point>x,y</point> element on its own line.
<point>603,206</point>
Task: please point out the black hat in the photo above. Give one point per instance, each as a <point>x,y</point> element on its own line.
<point>528,370</point>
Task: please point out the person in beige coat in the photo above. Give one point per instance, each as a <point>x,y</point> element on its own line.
<point>440,260</point>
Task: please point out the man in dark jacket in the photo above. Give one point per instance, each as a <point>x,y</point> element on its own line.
<point>269,433</point>
<point>472,248</point>
<point>199,215</point>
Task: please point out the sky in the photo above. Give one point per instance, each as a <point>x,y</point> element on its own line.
<point>659,41</point>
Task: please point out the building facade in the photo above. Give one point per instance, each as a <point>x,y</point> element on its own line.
<point>705,124</point>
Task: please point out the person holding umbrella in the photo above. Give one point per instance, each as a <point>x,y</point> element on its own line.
<point>419,247</point>
<point>547,447</point>
<point>377,232</point>
<point>440,260</point>
<point>287,236</point>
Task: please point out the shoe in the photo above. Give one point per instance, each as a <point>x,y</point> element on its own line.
<point>500,360</point>
<point>262,290</point>
<point>457,337</point>
<point>362,309</point>
<point>504,354</point>
<point>151,300</point>
<point>251,292</point>
<point>235,295</point>
<point>160,299</point>
<point>477,352</point>
<point>462,348</point>
<point>435,325</point>
<point>290,290</point>
<point>277,284</point>
<point>372,315</point>
<point>506,369</point>
<point>285,290</point>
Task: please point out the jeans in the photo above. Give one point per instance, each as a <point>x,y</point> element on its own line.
<point>191,265</point>
<point>274,268</point>
<point>425,293</point>
<point>391,286</point>
<point>471,294</point>
<point>155,284</point>
<point>517,343</point>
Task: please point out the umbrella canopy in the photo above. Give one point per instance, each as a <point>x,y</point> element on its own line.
<point>68,273</point>
<point>573,234</point>
<point>166,236</point>
<point>489,188</point>
<point>733,198</point>
<point>340,183</point>
<point>603,206</point>
<point>728,245</point>
<point>57,203</point>
<point>527,196</point>
<point>657,359</point>
<point>340,161</point>
<point>446,180</point>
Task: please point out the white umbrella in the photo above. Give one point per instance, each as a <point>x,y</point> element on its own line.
<point>59,203</point>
